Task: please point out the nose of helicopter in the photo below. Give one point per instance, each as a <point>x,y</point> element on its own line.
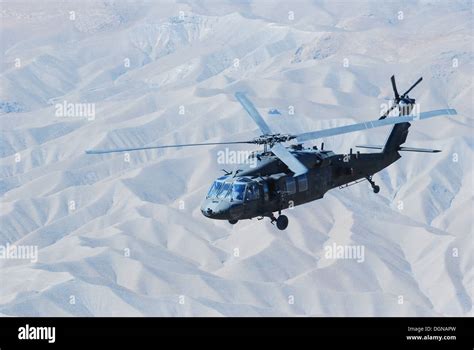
<point>215,209</point>
<point>208,212</point>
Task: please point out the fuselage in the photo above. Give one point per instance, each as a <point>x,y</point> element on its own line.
<point>269,186</point>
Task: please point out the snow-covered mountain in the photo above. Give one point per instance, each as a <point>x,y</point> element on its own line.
<point>122,235</point>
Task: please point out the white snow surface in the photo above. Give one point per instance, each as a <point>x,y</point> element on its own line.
<point>130,248</point>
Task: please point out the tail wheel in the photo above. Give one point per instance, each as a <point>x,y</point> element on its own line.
<point>282,222</point>
<point>372,183</point>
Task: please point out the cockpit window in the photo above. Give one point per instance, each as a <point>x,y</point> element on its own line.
<point>238,191</point>
<point>215,188</point>
<point>224,190</point>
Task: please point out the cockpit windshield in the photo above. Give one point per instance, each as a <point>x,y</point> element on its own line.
<point>238,191</point>
<point>224,190</point>
<point>216,186</point>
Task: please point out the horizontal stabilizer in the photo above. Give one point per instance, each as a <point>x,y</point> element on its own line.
<point>405,149</point>
<point>370,146</point>
<point>413,149</point>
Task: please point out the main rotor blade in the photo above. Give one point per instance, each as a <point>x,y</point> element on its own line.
<point>253,113</point>
<point>411,88</point>
<point>101,151</point>
<point>372,124</point>
<point>394,87</point>
<point>290,160</point>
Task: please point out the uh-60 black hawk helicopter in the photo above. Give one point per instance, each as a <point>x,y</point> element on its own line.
<point>283,177</point>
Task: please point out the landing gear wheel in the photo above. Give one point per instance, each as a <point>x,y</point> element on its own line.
<point>282,222</point>
<point>372,183</point>
<point>233,222</point>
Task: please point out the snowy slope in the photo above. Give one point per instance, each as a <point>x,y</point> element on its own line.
<point>126,238</point>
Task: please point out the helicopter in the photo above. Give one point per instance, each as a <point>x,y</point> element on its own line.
<point>285,177</point>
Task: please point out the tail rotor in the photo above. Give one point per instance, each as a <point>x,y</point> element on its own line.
<point>403,102</point>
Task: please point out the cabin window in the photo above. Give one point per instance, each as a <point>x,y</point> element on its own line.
<point>302,183</point>
<point>266,195</point>
<point>290,185</point>
<point>252,193</point>
<point>238,191</point>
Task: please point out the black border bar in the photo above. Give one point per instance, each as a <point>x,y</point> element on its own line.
<point>338,330</point>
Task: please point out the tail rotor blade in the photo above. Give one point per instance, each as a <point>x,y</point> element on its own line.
<point>394,87</point>
<point>411,88</point>
<point>385,115</point>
